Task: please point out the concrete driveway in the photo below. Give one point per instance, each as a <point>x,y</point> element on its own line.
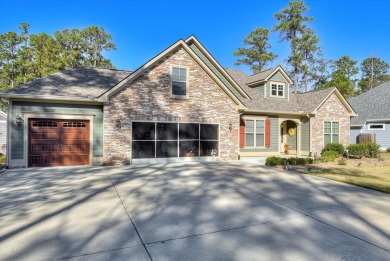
<point>188,211</point>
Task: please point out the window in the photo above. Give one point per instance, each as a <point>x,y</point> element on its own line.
<point>179,85</point>
<point>376,126</point>
<point>171,140</point>
<point>254,133</point>
<point>331,132</point>
<point>277,89</point>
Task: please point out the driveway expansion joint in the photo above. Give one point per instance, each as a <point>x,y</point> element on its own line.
<point>128,215</point>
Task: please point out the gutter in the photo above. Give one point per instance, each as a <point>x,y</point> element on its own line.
<point>50,98</point>
<point>278,113</point>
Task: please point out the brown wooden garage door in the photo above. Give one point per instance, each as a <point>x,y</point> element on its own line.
<point>58,142</point>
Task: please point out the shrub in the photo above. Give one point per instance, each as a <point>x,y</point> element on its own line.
<point>309,161</point>
<point>273,161</point>
<point>388,150</point>
<point>3,158</point>
<point>342,162</point>
<point>329,156</point>
<point>366,149</point>
<point>338,147</point>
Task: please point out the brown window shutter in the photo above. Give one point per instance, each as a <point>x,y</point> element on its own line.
<point>242,133</point>
<point>267,133</point>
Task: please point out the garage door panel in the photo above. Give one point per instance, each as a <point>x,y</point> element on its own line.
<point>58,142</point>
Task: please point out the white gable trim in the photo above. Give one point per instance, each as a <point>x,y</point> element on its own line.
<point>216,64</point>
<point>104,97</point>
<point>284,74</point>
<point>341,98</point>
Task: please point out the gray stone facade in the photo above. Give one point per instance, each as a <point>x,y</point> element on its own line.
<point>147,98</point>
<point>331,110</point>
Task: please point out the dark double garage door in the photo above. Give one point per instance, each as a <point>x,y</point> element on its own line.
<point>173,140</point>
<point>58,142</point>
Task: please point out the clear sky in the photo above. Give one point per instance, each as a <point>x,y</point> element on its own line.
<point>142,29</point>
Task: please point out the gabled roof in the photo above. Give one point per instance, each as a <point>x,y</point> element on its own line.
<point>79,83</point>
<point>263,76</point>
<point>302,103</point>
<point>218,76</point>
<point>372,105</point>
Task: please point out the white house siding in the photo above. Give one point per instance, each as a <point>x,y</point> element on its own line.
<point>3,135</point>
<point>382,136</point>
<point>354,134</point>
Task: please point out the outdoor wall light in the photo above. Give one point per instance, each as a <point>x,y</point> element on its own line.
<point>19,120</point>
<point>118,124</point>
<point>230,126</point>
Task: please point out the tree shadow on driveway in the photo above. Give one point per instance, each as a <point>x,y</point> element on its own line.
<point>181,211</point>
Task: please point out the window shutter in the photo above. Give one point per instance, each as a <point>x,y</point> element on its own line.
<point>267,133</point>
<point>242,133</point>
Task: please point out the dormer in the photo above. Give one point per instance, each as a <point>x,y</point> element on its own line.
<point>273,83</point>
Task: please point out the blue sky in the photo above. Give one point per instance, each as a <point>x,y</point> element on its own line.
<point>142,29</point>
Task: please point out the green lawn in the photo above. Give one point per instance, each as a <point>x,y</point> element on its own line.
<point>377,178</point>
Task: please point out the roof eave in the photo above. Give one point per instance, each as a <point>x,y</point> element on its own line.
<point>250,111</point>
<point>48,98</point>
<point>198,44</point>
<point>105,97</point>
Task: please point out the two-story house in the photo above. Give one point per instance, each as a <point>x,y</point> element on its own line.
<point>181,105</point>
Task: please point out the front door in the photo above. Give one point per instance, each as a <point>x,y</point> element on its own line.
<point>58,142</point>
<point>283,141</point>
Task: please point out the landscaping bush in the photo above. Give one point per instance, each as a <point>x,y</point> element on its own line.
<point>366,149</point>
<point>3,158</point>
<point>329,156</point>
<point>273,161</point>
<point>342,162</point>
<point>309,161</point>
<point>338,147</point>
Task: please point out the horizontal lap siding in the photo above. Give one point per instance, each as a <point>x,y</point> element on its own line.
<point>382,136</point>
<point>17,133</point>
<point>274,138</point>
<point>354,135</point>
<point>305,134</point>
<point>277,77</point>
<point>215,71</point>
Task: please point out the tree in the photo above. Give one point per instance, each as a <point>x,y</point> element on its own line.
<point>342,75</point>
<point>45,50</point>
<point>257,55</point>
<point>72,45</point>
<point>375,71</point>
<point>9,43</point>
<point>24,56</point>
<point>292,25</point>
<point>312,62</point>
<point>95,41</point>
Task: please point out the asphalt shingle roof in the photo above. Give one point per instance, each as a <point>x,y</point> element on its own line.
<point>373,104</point>
<point>84,82</point>
<point>89,83</point>
<point>261,75</point>
<point>298,103</point>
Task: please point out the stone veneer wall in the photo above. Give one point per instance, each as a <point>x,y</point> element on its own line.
<point>331,110</point>
<point>147,98</point>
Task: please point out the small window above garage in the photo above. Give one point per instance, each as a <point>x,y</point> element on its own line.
<point>179,82</point>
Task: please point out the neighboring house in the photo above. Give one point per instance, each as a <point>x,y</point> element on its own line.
<point>373,109</point>
<point>3,131</point>
<point>179,106</point>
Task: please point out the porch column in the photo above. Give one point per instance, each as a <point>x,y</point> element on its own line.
<point>298,139</point>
